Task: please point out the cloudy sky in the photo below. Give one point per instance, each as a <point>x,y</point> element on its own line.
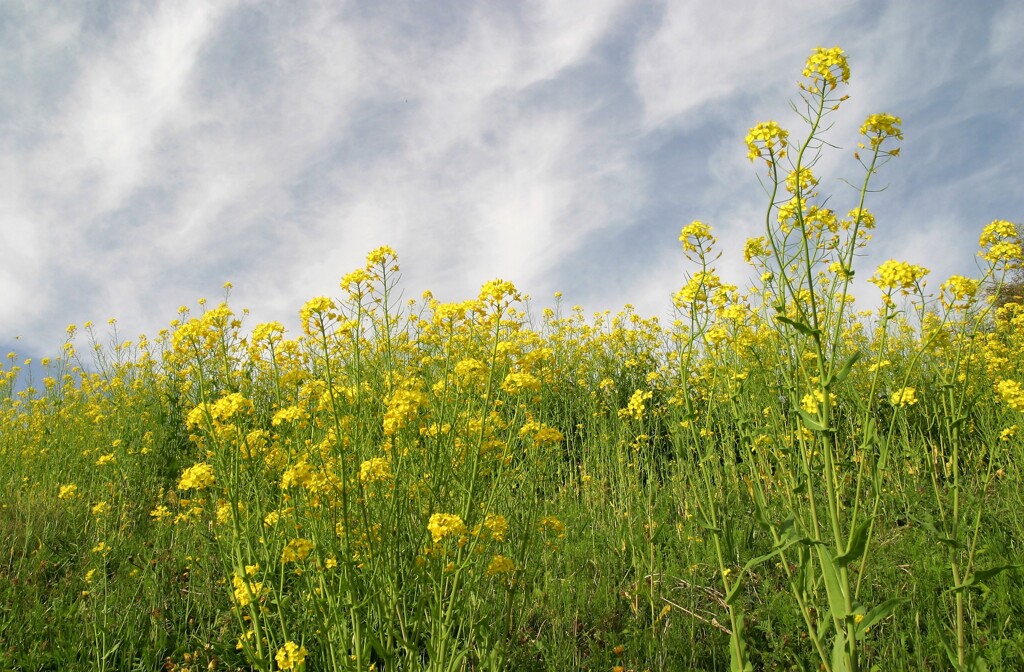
<point>152,151</point>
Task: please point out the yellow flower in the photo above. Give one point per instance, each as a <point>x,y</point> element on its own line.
<point>443,525</point>
<point>500,565</point>
<point>900,275</point>
<point>246,591</point>
<point>694,235</point>
<point>316,313</point>
<point>904,397</point>
<point>552,525</point>
<point>767,140</point>
<point>375,469</point>
<point>299,475</point>
<point>755,247</point>
<point>636,407</point>
<point>290,656</point>
<point>99,508</point>
<point>879,127</point>
<point>829,66</point>
<point>1002,241</point>
<point>515,383</point>
<point>289,414</point>
<point>105,459</point>
<point>402,408</point>
<point>197,477</point>
<point>160,513</point>
<point>296,550</point>
<point>67,491</point>
<point>1012,394</point>
<point>497,524</point>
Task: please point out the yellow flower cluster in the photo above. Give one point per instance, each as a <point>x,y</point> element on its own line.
<point>374,470</point>
<point>246,591</point>
<point>906,396</point>
<point>290,656</point>
<point>316,313</point>
<point>197,477</point>
<point>516,382</point>
<point>695,235</point>
<point>540,433</point>
<point>829,66</point>
<point>1012,394</point>
<point>402,409</point>
<point>296,550</point>
<point>1000,243</point>
<point>500,565</point>
<point>443,525</point>
<point>552,525</point>
<point>767,140</point>
<point>900,275</point>
<point>636,407</point>
<point>879,127</point>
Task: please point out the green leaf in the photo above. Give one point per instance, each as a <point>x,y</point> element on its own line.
<point>799,326</point>
<point>847,367</point>
<point>811,422</point>
<point>705,525</point>
<point>833,586</point>
<point>840,661</point>
<point>875,615</point>
<point>857,545</point>
<point>973,580</point>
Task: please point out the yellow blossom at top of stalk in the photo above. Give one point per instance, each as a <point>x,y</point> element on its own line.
<point>636,407</point>
<point>694,235</point>
<point>381,256</point>
<point>316,312</point>
<point>498,291</point>
<point>879,127</point>
<point>767,140</point>
<point>828,65</point>
<point>755,247</point>
<point>1002,241</point>
<point>402,408</point>
<point>443,525</point>
<point>900,275</point>
<point>197,477</point>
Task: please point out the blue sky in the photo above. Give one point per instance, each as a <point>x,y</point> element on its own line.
<point>152,151</point>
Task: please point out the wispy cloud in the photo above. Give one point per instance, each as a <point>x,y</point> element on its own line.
<point>152,153</point>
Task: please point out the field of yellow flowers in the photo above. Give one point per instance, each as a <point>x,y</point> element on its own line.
<point>774,480</point>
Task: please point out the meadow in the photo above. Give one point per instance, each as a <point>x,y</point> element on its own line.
<point>774,479</point>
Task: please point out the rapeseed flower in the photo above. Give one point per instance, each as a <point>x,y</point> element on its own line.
<point>290,656</point>
<point>767,140</point>
<point>1012,394</point>
<point>499,564</point>
<point>900,275</point>
<point>828,66</point>
<point>906,396</point>
<point>880,127</point>
<point>374,470</point>
<point>296,550</point>
<point>197,477</point>
<point>443,525</point>
<point>67,491</point>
